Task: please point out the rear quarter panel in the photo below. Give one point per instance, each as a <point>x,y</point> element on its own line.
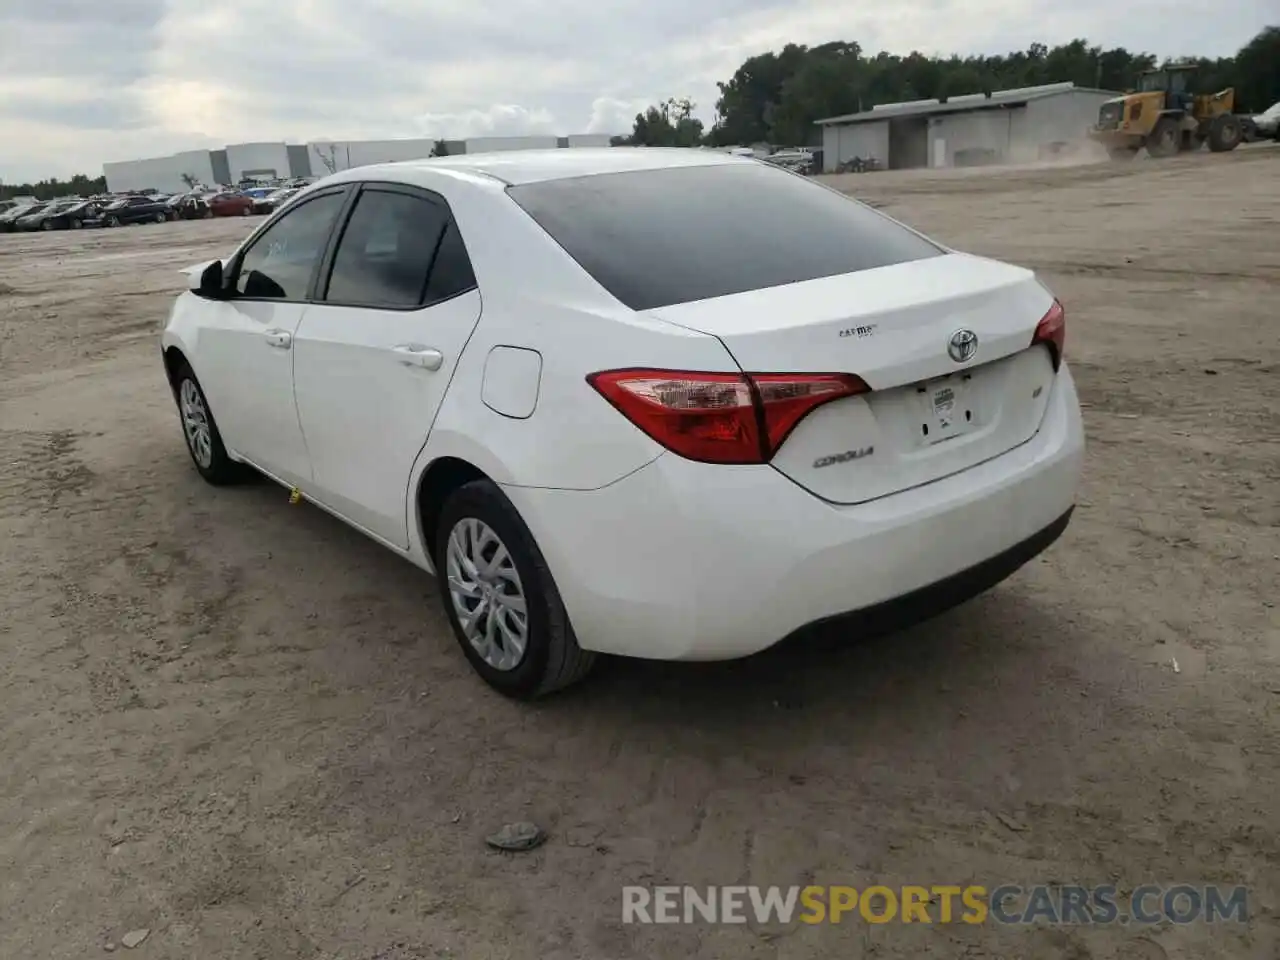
<point>535,297</point>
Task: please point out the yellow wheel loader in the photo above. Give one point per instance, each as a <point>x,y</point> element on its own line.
<point>1164,116</point>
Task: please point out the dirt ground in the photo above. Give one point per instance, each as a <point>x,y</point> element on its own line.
<point>241,726</point>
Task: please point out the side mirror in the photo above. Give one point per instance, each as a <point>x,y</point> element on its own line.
<point>208,283</point>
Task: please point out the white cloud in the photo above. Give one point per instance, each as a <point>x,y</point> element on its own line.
<point>199,73</point>
<point>500,120</point>
<point>613,116</point>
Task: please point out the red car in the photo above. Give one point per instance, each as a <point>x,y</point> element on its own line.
<point>229,205</point>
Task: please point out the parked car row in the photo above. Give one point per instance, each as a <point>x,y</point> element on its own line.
<point>52,215</point>
<point>118,211</point>
<point>1263,126</point>
<point>203,205</point>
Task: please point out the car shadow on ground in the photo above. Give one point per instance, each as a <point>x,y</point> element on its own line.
<point>958,652</point>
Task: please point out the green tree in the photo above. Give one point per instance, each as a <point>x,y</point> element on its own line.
<point>667,124</point>
<point>833,80</point>
<point>79,185</point>
<point>750,95</point>
<point>1257,71</point>
<point>776,97</point>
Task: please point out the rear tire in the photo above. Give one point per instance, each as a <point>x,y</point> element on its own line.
<point>478,525</point>
<point>1225,133</point>
<point>200,431</point>
<point>1165,139</point>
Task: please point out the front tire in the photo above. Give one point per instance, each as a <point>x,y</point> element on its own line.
<point>1165,139</point>
<point>500,597</point>
<point>200,431</point>
<point>1225,133</point>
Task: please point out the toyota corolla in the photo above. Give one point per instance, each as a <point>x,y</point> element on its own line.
<point>669,404</point>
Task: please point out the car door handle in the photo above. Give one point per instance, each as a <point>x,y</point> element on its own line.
<point>416,355</point>
<point>279,338</point>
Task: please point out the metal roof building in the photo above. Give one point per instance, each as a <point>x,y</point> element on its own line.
<point>266,161</point>
<point>1006,126</point>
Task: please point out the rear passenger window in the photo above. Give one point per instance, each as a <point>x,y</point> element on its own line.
<point>451,273</point>
<point>384,256</point>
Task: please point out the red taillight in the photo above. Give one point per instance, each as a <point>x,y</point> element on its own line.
<point>720,417</point>
<point>1052,332</point>
<point>788,397</point>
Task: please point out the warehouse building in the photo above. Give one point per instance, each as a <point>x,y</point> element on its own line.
<point>1008,126</point>
<point>166,173</point>
<point>269,161</point>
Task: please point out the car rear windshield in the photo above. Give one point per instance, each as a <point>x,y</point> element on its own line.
<point>654,238</point>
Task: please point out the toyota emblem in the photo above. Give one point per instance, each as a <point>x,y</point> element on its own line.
<point>962,345</point>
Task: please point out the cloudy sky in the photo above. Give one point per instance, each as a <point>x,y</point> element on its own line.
<point>83,81</point>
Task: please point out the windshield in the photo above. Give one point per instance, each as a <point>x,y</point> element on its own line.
<point>658,237</point>
<point>1153,81</point>
<point>1271,111</point>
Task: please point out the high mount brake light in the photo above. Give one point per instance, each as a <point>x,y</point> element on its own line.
<point>721,417</point>
<point>1052,331</point>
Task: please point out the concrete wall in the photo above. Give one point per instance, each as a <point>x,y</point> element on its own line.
<point>232,164</point>
<point>844,142</point>
<point>346,154</point>
<point>160,173</point>
<point>950,134</point>
<point>221,169</point>
<point>197,163</point>
<point>299,160</point>
<point>257,159</point>
<point>492,144</point>
<point>1018,134</point>
<point>1060,119</point>
<point>589,139</point>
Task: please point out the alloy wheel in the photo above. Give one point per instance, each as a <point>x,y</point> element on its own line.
<point>487,595</point>
<point>195,423</point>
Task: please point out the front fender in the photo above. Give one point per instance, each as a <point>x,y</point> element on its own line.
<point>181,331</point>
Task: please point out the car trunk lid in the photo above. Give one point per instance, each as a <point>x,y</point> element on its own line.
<point>932,410</point>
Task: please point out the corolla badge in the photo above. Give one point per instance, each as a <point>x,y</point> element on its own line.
<point>962,345</point>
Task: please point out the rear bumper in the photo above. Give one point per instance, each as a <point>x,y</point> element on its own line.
<point>938,598</point>
<point>688,561</point>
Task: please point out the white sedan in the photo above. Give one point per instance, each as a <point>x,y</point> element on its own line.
<point>659,403</point>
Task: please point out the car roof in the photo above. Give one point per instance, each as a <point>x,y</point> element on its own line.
<point>514,167</point>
